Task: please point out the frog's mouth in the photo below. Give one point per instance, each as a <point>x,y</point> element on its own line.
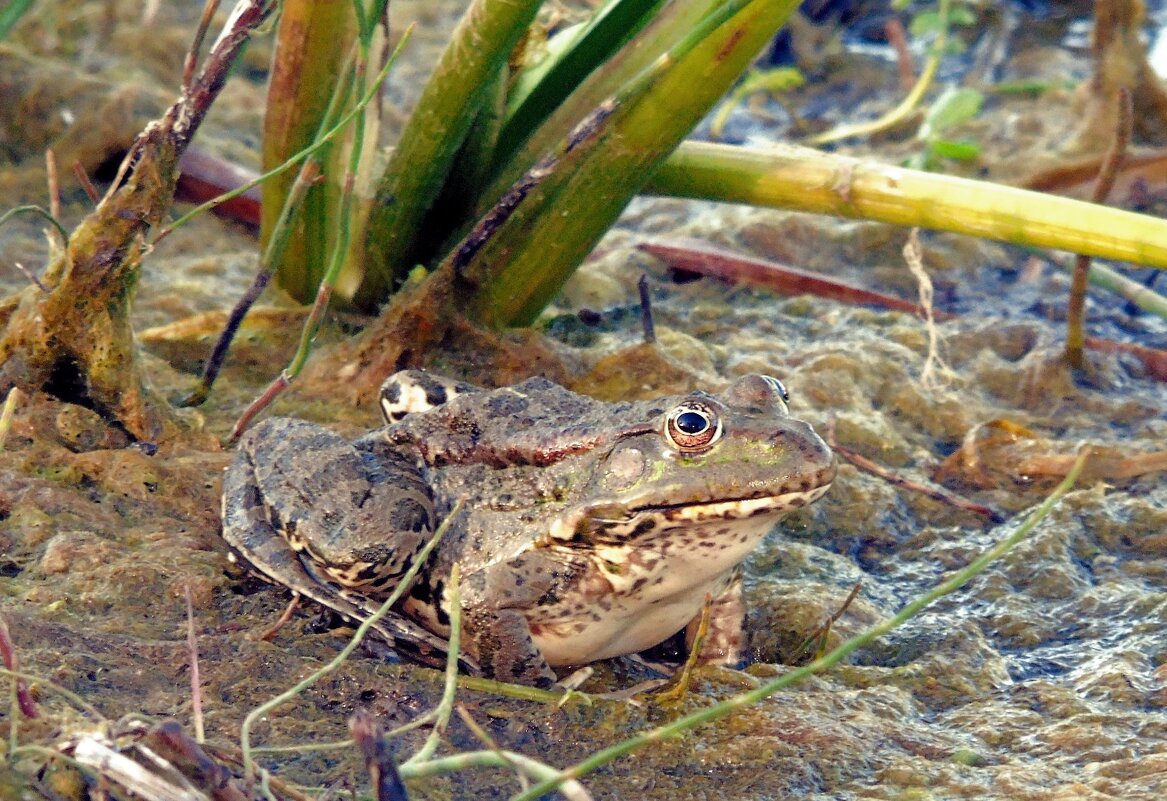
<point>609,523</point>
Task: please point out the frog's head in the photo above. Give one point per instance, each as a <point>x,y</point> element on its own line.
<point>724,467</point>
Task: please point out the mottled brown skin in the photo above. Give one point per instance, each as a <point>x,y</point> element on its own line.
<point>583,529</point>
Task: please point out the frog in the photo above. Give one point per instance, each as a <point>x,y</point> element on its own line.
<point>583,529</point>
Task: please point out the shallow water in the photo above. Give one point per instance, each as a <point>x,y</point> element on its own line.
<point>1043,678</point>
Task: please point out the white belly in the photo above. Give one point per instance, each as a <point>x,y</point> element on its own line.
<point>624,628</point>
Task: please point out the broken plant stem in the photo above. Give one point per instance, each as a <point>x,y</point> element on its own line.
<point>404,584</point>
<point>384,779</point>
<point>1076,310</point>
<point>192,55</point>
<point>265,398</point>
<point>13,399</point>
<point>196,690</point>
<point>86,185</point>
<point>738,702</point>
<point>908,104</point>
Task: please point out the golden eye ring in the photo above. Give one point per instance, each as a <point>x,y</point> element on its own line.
<point>692,427</point>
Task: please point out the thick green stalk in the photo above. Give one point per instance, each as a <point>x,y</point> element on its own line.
<point>541,89</point>
<point>804,179</point>
<point>313,41</point>
<point>668,27</point>
<point>435,132</point>
<point>520,255</point>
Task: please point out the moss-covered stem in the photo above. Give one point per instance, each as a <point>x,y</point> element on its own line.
<point>731,705</point>
<point>804,179</point>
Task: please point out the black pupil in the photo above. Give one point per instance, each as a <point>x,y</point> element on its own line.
<point>692,422</point>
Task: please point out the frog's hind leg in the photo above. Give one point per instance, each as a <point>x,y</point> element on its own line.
<point>359,509</point>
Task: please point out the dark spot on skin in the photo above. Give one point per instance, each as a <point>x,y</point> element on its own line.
<point>397,417</point>
<point>392,394</point>
<point>797,502</point>
<point>435,394</point>
<point>507,404</point>
<point>443,618</point>
<point>370,572</point>
<point>640,582</point>
<point>644,526</point>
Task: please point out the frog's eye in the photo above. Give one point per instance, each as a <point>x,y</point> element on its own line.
<point>780,388</point>
<point>692,427</point>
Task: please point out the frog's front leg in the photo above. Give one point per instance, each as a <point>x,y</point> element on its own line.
<point>726,640</point>
<point>496,631</point>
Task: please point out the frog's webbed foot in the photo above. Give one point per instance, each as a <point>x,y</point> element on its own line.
<point>726,639</point>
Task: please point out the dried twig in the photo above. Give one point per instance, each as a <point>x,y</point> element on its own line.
<point>933,492</point>
<point>270,632</point>
<point>646,310</point>
<point>383,776</point>
<point>192,645</point>
<point>1107,172</point>
<point>192,55</point>
<point>54,187</point>
<point>818,637</point>
<point>86,184</point>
